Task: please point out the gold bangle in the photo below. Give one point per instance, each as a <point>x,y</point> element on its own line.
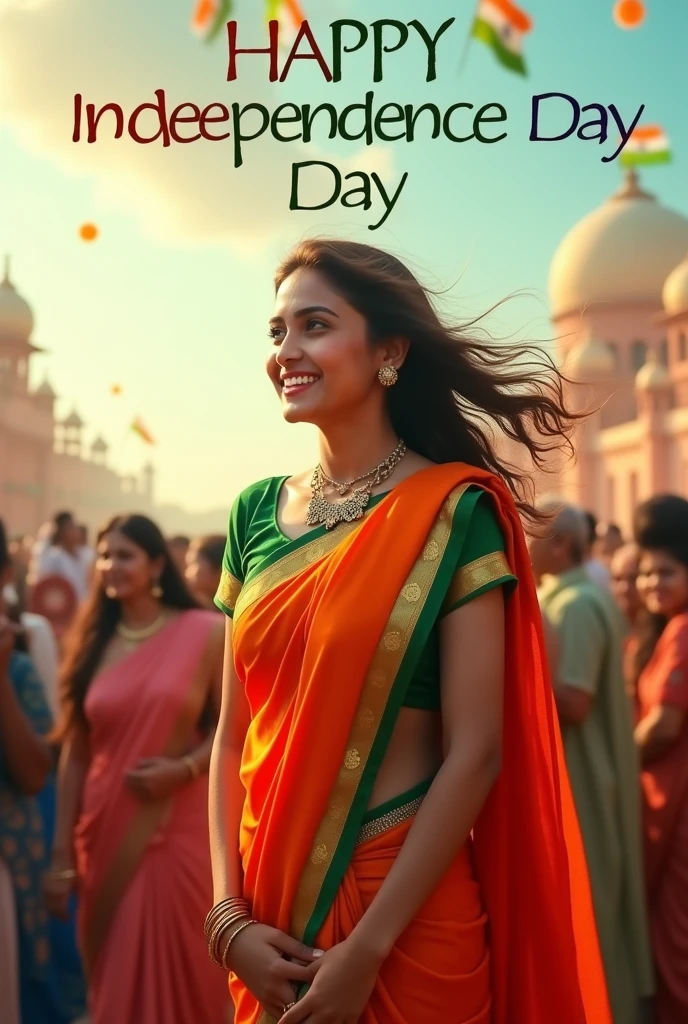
<point>232,937</point>
<point>191,766</point>
<point>222,909</point>
<point>219,929</point>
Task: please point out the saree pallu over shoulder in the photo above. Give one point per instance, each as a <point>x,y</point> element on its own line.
<point>326,640</point>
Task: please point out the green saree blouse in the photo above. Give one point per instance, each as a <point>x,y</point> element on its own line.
<point>255,541</point>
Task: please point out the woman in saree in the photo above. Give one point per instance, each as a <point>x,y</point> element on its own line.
<point>141,686</point>
<point>662,737</point>
<point>392,831</point>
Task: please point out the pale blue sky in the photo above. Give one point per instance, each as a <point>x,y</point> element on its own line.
<point>172,300</point>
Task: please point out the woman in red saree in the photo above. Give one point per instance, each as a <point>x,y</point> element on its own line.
<point>662,738</point>
<point>389,801</point>
<point>140,686</point>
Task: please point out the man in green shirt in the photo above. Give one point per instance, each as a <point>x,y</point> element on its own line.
<point>597,732</point>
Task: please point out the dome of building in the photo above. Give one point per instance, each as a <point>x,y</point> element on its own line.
<point>675,291</point>
<point>99,445</point>
<point>16,318</point>
<point>653,376</point>
<point>589,359</point>
<point>622,252</point>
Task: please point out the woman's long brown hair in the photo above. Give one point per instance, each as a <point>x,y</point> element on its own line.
<point>453,387</point>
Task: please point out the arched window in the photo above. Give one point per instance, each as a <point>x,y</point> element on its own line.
<point>638,355</point>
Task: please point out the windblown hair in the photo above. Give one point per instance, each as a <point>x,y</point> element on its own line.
<point>660,524</point>
<point>97,621</point>
<point>455,391</point>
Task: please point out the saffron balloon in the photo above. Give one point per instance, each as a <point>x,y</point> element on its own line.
<point>629,14</point>
<point>88,232</point>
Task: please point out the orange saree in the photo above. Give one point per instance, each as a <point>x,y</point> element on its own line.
<point>326,639</point>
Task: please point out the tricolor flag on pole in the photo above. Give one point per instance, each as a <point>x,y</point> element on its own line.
<point>648,144</point>
<point>210,17</point>
<point>501,25</point>
<point>139,428</point>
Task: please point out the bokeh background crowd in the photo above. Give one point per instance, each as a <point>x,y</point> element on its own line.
<point>615,615</point>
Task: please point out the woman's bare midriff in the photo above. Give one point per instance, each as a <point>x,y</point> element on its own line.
<point>414,754</point>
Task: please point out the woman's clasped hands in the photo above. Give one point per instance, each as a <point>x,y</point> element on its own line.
<point>341,983</point>
<point>340,980</point>
<point>258,956</point>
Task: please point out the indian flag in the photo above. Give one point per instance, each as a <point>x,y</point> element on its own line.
<point>140,428</point>
<point>648,144</point>
<point>210,17</point>
<point>289,15</point>
<point>501,25</point>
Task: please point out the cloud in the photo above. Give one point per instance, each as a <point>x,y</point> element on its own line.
<point>52,49</point>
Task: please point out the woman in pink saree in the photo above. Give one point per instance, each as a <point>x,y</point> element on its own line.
<point>140,693</point>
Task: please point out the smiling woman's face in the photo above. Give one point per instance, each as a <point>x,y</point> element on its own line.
<point>663,583</point>
<point>124,568</point>
<point>321,363</point>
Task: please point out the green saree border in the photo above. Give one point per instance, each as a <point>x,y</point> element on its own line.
<point>437,562</point>
<point>315,533</point>
<point>295,556</point>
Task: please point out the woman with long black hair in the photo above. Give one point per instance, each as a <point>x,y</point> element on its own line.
<point>140,693</point>
<point>393,834</point>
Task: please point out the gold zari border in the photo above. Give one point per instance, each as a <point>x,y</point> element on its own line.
<point>475,575</point>
<point>391,819</point>
<point>290,565</point>
<point>373,700</point>
<point>229,590</point>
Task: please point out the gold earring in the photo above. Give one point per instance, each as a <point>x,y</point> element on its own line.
<point>388,376</point>
<point>156,590</point>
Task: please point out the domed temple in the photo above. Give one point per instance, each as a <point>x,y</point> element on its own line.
<point>43,463</point>
<point>619,304</point>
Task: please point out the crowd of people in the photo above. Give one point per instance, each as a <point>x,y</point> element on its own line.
<point>60,813</point>
<point>616,612</point>
<point>430,764</point>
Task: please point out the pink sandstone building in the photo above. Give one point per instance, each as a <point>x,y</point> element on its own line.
<point>44,463</point>
<point>619,304</point>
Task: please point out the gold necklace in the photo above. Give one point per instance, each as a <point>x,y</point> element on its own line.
<point>137,636</point>
<point>321,511</point>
